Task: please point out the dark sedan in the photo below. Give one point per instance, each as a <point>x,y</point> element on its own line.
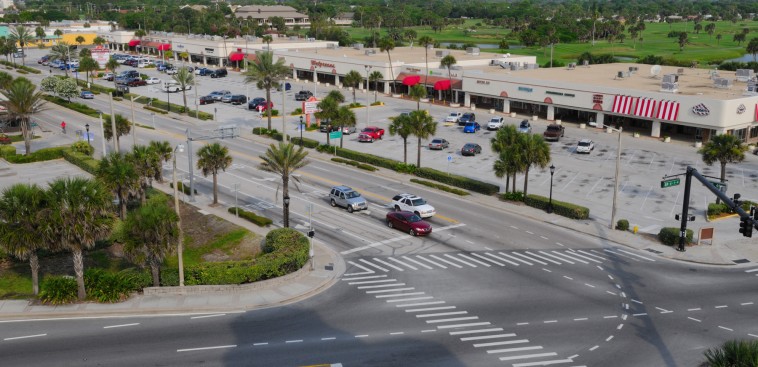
<point>206,100</point>
<point>136,82</point>
<point>408,222</point>
<point>471,149</point>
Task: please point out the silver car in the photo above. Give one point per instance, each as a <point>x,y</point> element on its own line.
<point>347,198</point>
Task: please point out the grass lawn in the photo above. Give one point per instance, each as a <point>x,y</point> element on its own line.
<point>703,48</point>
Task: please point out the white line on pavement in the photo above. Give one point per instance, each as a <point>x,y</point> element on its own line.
<point>464,332</point>
<point>207,348</point>
<point>25,337</point>
<point>482,337</point>
<point>137,323</point>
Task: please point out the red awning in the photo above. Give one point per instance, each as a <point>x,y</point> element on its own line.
<point>411,80</point>
<point>442,85</point>
<point>133,43</point>
<point>164,47</point>
<point>236,56</point>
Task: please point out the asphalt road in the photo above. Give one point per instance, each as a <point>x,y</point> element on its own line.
<point>487,287</point>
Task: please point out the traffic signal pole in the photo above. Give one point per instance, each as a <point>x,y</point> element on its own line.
<point>685,209</point>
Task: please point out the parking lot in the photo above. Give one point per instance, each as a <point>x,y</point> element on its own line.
<point>583,179</point>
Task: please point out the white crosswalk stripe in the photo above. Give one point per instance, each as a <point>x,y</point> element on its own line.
<point>529,258</point>
<point>445,261</point>
<point>515,258</point>
<point>542,257</point>
<point>751,270</point>
<point>402,263</point>
<point>417,263</point>
<point>388,264</point>
<point>555,257</point>
<point>568,256</point>
<point>431,262</point>
<point>486,259</point>
<point>462,261</point>
<point>474,260</point>
<point>501,259</point>
<point>373,265</point>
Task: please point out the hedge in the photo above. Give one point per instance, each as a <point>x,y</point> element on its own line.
<point>458,181</point>
<point>180,186</point>
<point>44,154</point>
<point>355,164</point>
<point>57,290</point>
<point>721,208</point>
<point>559,207</point>
<point>670,236</point>
<point>101,285</point>
<point>261,221</point>
<point>308,143</point>
<point>6,150</point>
<point>83,161</point>
<point>622,225</point>
<point>441,187</point>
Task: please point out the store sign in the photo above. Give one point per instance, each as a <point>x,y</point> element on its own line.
<point>701,110</point>
<point>413,70</point>
<point>209,50</point>
<point>525,89</point>
<point>321,64</point>
<point>485,82</point>
<point>559,93</point>
<point>597,98</point>
<point>741,109</point>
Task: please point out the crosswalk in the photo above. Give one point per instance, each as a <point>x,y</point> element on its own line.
<point>488,259</point>
<point>439,316</point>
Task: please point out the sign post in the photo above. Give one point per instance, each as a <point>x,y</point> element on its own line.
<point>449,159</point>
<point>670,182</point>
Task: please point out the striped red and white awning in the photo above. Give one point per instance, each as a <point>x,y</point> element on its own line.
<point>645,107</point>
<point>668,110</point>
<point>623,104</point>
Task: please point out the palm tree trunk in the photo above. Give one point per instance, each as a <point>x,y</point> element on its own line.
<point>514,183</point>
<point>269,108</point>
<point>79,271</point>
<point>354,100</point>
<point>215,188</point>
<point>418,154</point>
<point>405,150</point>
<point>122,205</point>
<point>426,60</point>
<point>143,193</point>
<point>184,94</point>
<point>34,265</point>
<point>392,73</point>
<point>526,180</point>
<point>286,194</point>
<point>341,135</point>
<point>156,271</point>
<point>25,132</point>
<point>507,182</point>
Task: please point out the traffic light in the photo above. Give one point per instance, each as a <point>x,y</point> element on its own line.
<point>746,227</point>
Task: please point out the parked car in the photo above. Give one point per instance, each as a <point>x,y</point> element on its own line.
<point>553,132</point>
<point>327,127</point>
<point>347,130</point>
<point>135,82</point>
<point>207,100</point>
<point>218,94</point>
<point>108,76</point>
<point>585,146</point>
<point>227,98</point>
<point>347,198</point>
<point>525,127</point>
<point>172,71</point>
<point>466,118</point>
<point>153,80</point>
<point>238,99</point>
<point>472,127</point>
<point>471,149</point>
<point>219,73</point>
<point>253,103</point>
<point>303,95</point>
<point>203,71</point>
<point>409,223</point>
<point>85,94</point>
<point>495,123</point>
<point>42,60</point>
<point>413,203</point>
<point>438,144</point>
<point>264,106</point>
<point>373,131</point>
<point>453,117</point>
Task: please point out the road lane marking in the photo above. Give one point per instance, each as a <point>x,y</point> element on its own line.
<point>550,321</point>
<point>294,341</point>
<point>430,309</point>
<point>398,333</point>
<point>556,257</point>
<point>486,259</point>
<point>409,299</point>
<point>373,281</point>
<point>388,264</point>
<point>581,319</point>
<point>501,259</point>
<point>329,338</point>
<point>431,262</point>
<point>517,259</point>
<point>633,254</point>
<point>507,349</point>
<point>465,332</point>
<point>366,277</point>
<point>399,295</point>
<point>725,328</point>
<point>609,338</point>
<point>543,258</point>
<point>417,263</point>
<point>362,336</point>
<point>482,337</point>
<point>372,264</point>
<point>664,310</point>
<point>574,256</point>
<point>421,304</point>
<point>404,264</point>
<point>207,348</point>
<point>456,326</point>
<point>445,261</point>
<point>390,290</point>
<point>443,314</point>
<point>454,319</point>
<point>526,356</point>
<point>137,323</point>
<point>746,303</point>
<point>25,337</point>
<point>475,260</point>
<point>693,319</point>
<point>457,259</point>
<point>720,306</point>
<point>568,277</point>
<point>365,269</point>
<point>592,255</point>
<point>381,286</point>
<point>257,344</point>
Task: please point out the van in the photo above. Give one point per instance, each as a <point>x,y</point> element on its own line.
<point>347,198</point>
<point>143,63</point>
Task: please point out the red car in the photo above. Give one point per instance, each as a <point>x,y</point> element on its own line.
<point>371,133</point>
<point>408,222</point>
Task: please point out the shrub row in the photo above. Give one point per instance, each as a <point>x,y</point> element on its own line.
<point>440,187</point>
<point>360,165</point>
<point>21,67</point>
<point>6,150</point>
<point>270,133</point>
<point>78,107</point>
<point>261,221</point>
<point>285,251</point>
<point>181,187</point>
<point>721,208</point>
<point>154,109</point>
<point>559,207</point>
<point>101,285</point>
<point>308,143</point>
<point>670,236</point>
<point>44,154</point>
<point>81,160</point>
<point>458,181</point>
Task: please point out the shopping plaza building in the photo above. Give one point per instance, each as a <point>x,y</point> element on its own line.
<point>651,100</point>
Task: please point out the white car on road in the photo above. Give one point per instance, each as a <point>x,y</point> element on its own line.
<point>453,117</point>
<point>413,203</point>
<point>495,123</point>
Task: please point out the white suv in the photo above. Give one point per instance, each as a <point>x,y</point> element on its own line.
<point>413,203</point>
<point>495,123</point>
<point>453,117</point>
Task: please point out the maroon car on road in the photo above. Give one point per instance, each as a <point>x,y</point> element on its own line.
<point>408,222</point>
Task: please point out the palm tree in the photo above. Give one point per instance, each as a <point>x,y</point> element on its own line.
<point>40,33</point>
<point>99,41</point>
<point>534,152</point>
<point>112,65</point>
<point>22,212</point>
<point>328,109</point>
<point>417,92</point>
<point>352,79</point>
<point>336,95</point>
<point>145,161</point>
<point>79,215</point>
<point>266,74</point>
<point>375,77</point>
<point>426,41</point>
<point>752,47</point>
<point>386,44</point>
<point>447,62</point>
<point>62,52</point>
<point>211,159</point>
<point>733,353</point>
<point>22,102</point>
<point>724,149</point>
<point>119,175</point>
<point>150,233</point>
<point>5,80</point>
<point>422,125</point>
<point>283,160</point>
<point>22,36</point>
<point>139,34</point>
<point>87,64</point>
<point>345,117</point>
<point>185,78</point>
<point>165,152</point>
<point>123,127</point>
<point>79,40</point>
<point>507,164</point>
<point>401,126</point>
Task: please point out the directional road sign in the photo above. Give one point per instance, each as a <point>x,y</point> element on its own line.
<point>670,182</point>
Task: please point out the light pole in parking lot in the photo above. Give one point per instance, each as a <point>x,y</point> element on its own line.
<point>550,203</point>
<point>616,180</point>
<point>179,148</point>
<point>301,130</point>
<point>368,104</point>
<point>86,127</point>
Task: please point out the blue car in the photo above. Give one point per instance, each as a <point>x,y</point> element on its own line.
<point>203,71</point>
<point>471,127</point>
<point>87,95</point>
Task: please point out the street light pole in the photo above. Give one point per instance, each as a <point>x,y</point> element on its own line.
<point>179,148</point>
<point>616,181</point>
<point>286,212</point>
<point>134,125</point>
<point>236,205</point>
<point>301,130</point>
<point>102,130</point>
<point>86,127</point>
<point>550,204</point>
<point>368,104</point>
